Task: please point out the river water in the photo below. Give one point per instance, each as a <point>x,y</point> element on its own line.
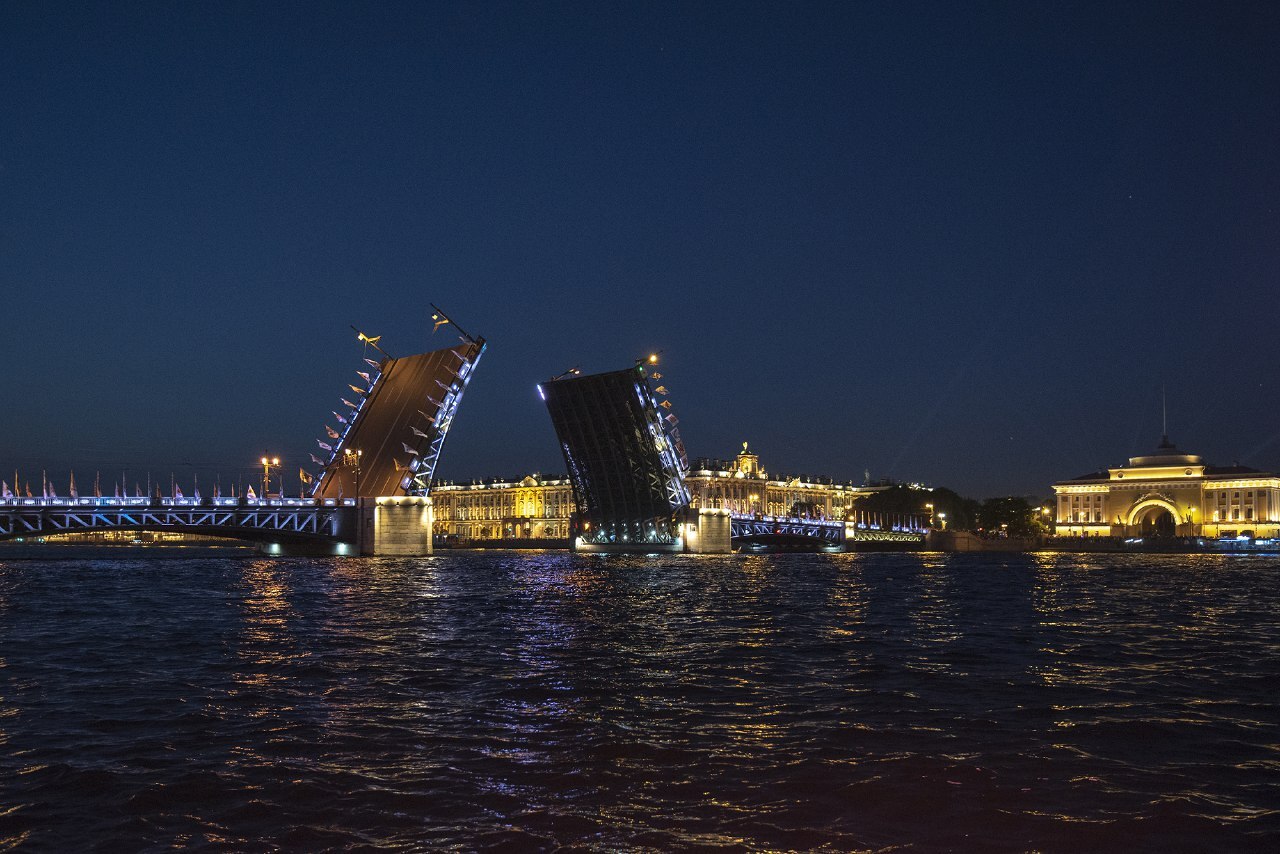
<point>514,701</point>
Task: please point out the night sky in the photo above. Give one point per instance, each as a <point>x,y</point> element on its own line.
<point>964,245</point>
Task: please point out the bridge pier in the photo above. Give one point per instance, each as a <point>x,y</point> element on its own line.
<point>708,530</point>
<point>395,526</point>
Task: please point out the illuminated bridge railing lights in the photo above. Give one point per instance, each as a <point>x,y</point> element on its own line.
<point>72,503</point>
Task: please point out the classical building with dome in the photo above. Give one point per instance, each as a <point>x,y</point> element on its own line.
<point>538,508</point>
<point>1169,493</point>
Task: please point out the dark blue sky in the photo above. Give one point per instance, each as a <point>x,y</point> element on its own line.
<point>958,245</point>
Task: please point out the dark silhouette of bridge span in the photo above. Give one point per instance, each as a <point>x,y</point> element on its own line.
<point>627,464</point>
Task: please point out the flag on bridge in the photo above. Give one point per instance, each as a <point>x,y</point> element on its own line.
<point>408,450</point>
<point>75,493</point>
<point>340,418</point>
<point>177,491</point>
<point>365,376</point>
<point>372,363</point>
<point>328,448</point>
<point>250,494</point>
<point>333,434</point>
<point>349,403</point>
<point>4,490</point>
<point>356,389</point>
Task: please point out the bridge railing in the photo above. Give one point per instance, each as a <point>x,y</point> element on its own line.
<point>62,503</point>
<point>807,520</point>
<point>897,528</point>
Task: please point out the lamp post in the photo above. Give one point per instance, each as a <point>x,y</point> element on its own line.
<point>269,463</point>
<point>943,517</point>
<point>929,507</point>
<point>351,458</point>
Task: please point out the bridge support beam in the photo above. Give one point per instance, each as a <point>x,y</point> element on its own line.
<point>708,530</point>
<point>395,526</point>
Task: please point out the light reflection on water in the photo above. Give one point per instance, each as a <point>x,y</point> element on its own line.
<point>845,701</point>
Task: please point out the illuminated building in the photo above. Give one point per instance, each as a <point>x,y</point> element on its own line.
<point>742,486</point>
<point>529,509</point>
<point>539,508</point>
<point>1169,493</point>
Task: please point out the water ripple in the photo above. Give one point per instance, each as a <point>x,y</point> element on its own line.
<point>496,700</point>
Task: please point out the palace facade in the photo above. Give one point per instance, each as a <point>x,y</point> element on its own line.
<point>533,508</point>
<point>539,508</point>
<point>741,486</point>
<point>1169,493</point>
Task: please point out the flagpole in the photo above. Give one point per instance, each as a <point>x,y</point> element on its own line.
<point>372,342</point>
<point>449,319</point>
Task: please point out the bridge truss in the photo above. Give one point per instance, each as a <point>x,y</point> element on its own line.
<point>261,520</point>
<point>743,526</point>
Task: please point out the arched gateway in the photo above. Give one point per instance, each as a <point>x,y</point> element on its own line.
<point>1154,517</point>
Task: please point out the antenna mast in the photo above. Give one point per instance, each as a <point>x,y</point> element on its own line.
<point>1164,415</point>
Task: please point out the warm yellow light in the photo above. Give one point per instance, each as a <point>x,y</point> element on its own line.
<point>275,461</point>
<point>264,461</point>
<point>653,358</point>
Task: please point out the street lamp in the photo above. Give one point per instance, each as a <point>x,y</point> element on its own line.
<point>269,463</point>
<point>929,507</point>
<point>351,459</point>
<point>943,517</point>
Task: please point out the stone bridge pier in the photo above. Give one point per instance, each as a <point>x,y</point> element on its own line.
<point>393,526</point>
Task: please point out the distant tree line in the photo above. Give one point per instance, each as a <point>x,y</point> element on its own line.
<point>1012,515</point>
